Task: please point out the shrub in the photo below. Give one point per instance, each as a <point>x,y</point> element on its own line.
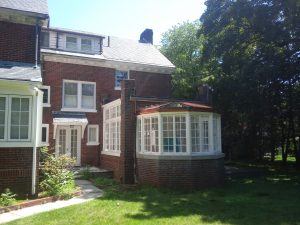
<point>7,198</point>
<point>85,173</point>
<point>57,175</point>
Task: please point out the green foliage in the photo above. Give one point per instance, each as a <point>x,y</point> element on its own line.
<point>58,177</point>
<point>85,173</point>
<point>183,48</point>
<point>7,198</point>
<point>252,50</point>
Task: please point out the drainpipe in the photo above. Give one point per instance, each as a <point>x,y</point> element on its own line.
<point>35,143</point>
<point>36,42</point>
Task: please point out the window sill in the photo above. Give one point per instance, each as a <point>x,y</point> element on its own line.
<point>44,144</point>
<point>78,110</point>
<point>46,105</point>
<point>112,153</point>
<point>92,143</point>
<point>117,88</point>
<point>181,157</point>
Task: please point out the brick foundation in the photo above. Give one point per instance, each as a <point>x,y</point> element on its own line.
<point>16,169</point>
<point>187,173</point>
<point>112,163</point>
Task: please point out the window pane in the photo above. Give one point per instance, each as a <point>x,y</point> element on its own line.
<point>24,132</point>
<point>24,120</point>
<point>15,118</point>
<point>168,140</point>
<point>15,104</point>
<point>24,104</point>
<point>45,96</point>
<point>92,134</point>
<point>2,116</point>
<point>87,98</point>
<point>71,43</point>
<point>119,76</point>
<point>86,45</point>
<point>14,132</point>
<point>44,134</point>
<point>70,95</point>
<point>45,39</point>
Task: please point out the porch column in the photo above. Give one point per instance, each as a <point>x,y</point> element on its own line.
<point>128,121</point>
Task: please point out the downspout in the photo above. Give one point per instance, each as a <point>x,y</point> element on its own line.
<point>36,43</point>
<point>33,187</point>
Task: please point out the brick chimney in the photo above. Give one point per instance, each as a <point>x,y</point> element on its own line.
<point>147,36</point>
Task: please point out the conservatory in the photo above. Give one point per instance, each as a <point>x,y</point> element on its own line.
<point>179,144</point>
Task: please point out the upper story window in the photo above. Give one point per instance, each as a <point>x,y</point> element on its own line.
<point>119,76</point>
<point>71,43</point>
<point>79,96</point>
<point>15,118</point>
<point>45,39</point>
<point>86,45</point>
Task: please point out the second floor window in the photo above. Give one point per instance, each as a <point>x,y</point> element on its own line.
<point>119,76</point>
<point>71,43</point>
<point>79,96</point>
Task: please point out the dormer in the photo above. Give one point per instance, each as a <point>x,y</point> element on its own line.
<point>67,40</point>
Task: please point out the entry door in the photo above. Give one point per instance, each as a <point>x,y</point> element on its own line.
<point>68,142</point>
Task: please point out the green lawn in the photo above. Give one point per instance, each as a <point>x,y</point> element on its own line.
<point>274,199</point>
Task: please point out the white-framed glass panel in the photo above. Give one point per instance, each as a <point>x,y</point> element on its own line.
<point>168,134</point>
<point>45,39</point>
<point>139,135</point>
<point>46,96</point>
<point>71,43</point>
<point>195,134</point>
<point>112,127</point>
<point>119,76</point>
<point>20,118</point>
<point>86,45</point>
<point>204,134</point>
<point>154,135</point>
<point>180,133</point>
<point>88,96</point>
<point>79,96</point>
<point>93,135</point>
<point>45,135</point>
<point>70,94</point>
<point>3,114</point>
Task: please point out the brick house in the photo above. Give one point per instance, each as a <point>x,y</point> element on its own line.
<point>106,101</point>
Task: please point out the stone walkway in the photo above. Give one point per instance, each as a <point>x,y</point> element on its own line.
<point>90,192</point>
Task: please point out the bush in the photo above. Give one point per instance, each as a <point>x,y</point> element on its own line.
<point>85,173</point>
<point>57,175</point>
<point>7,198</point>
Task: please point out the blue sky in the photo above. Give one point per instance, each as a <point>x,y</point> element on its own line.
<point>123,18</point>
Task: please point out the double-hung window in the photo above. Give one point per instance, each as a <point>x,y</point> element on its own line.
<point>93,134</point>
<point>79,96</point>
<point>15,118</point>
<point>86,45</point>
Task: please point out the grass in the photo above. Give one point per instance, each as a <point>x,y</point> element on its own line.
<point>274,199</point>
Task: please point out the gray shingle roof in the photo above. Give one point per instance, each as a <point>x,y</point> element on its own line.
<point>35,6</point>
<point>19,71</point>
<point>127,50</point>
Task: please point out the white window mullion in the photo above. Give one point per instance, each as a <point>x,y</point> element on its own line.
<point>174,135</point>
<point>159,125</point>
<point>210,133</point>
<point>188,134</point>
<point>142,136</point>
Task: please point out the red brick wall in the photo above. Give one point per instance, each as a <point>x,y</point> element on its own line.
<point>17,42</point>
<point>185,174</point>
<point>111,163</point>
<point>53,75</point>
<point>152,84</point>
<point>16,169</point>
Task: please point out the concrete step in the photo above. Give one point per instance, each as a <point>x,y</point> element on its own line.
<point>93,172</point>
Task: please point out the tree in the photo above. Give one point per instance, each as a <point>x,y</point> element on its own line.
<point>183,48</point>
<point>251,50</point>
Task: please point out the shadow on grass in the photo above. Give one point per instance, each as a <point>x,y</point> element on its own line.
<point>274,199</point>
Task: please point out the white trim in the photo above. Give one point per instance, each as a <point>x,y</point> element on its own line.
<point>79,108</point>
<point>97,134</point>
<point>29,122</point>
<point>113,153</point>
<point>46,143</point>
<point>48,97</point>
<point>204,116</point>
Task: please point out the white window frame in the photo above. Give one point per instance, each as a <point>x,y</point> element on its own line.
<point>97,134</point>
<point>89,39</point>
<point>77,41</point>
<point>206,115</point>
<point>46,143</point>
<point>119,87</point>
<point>109,121</point>
<point>79,96</point>
<point>6,122</point>
<point>9,118</point>
<point>47,104</point>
